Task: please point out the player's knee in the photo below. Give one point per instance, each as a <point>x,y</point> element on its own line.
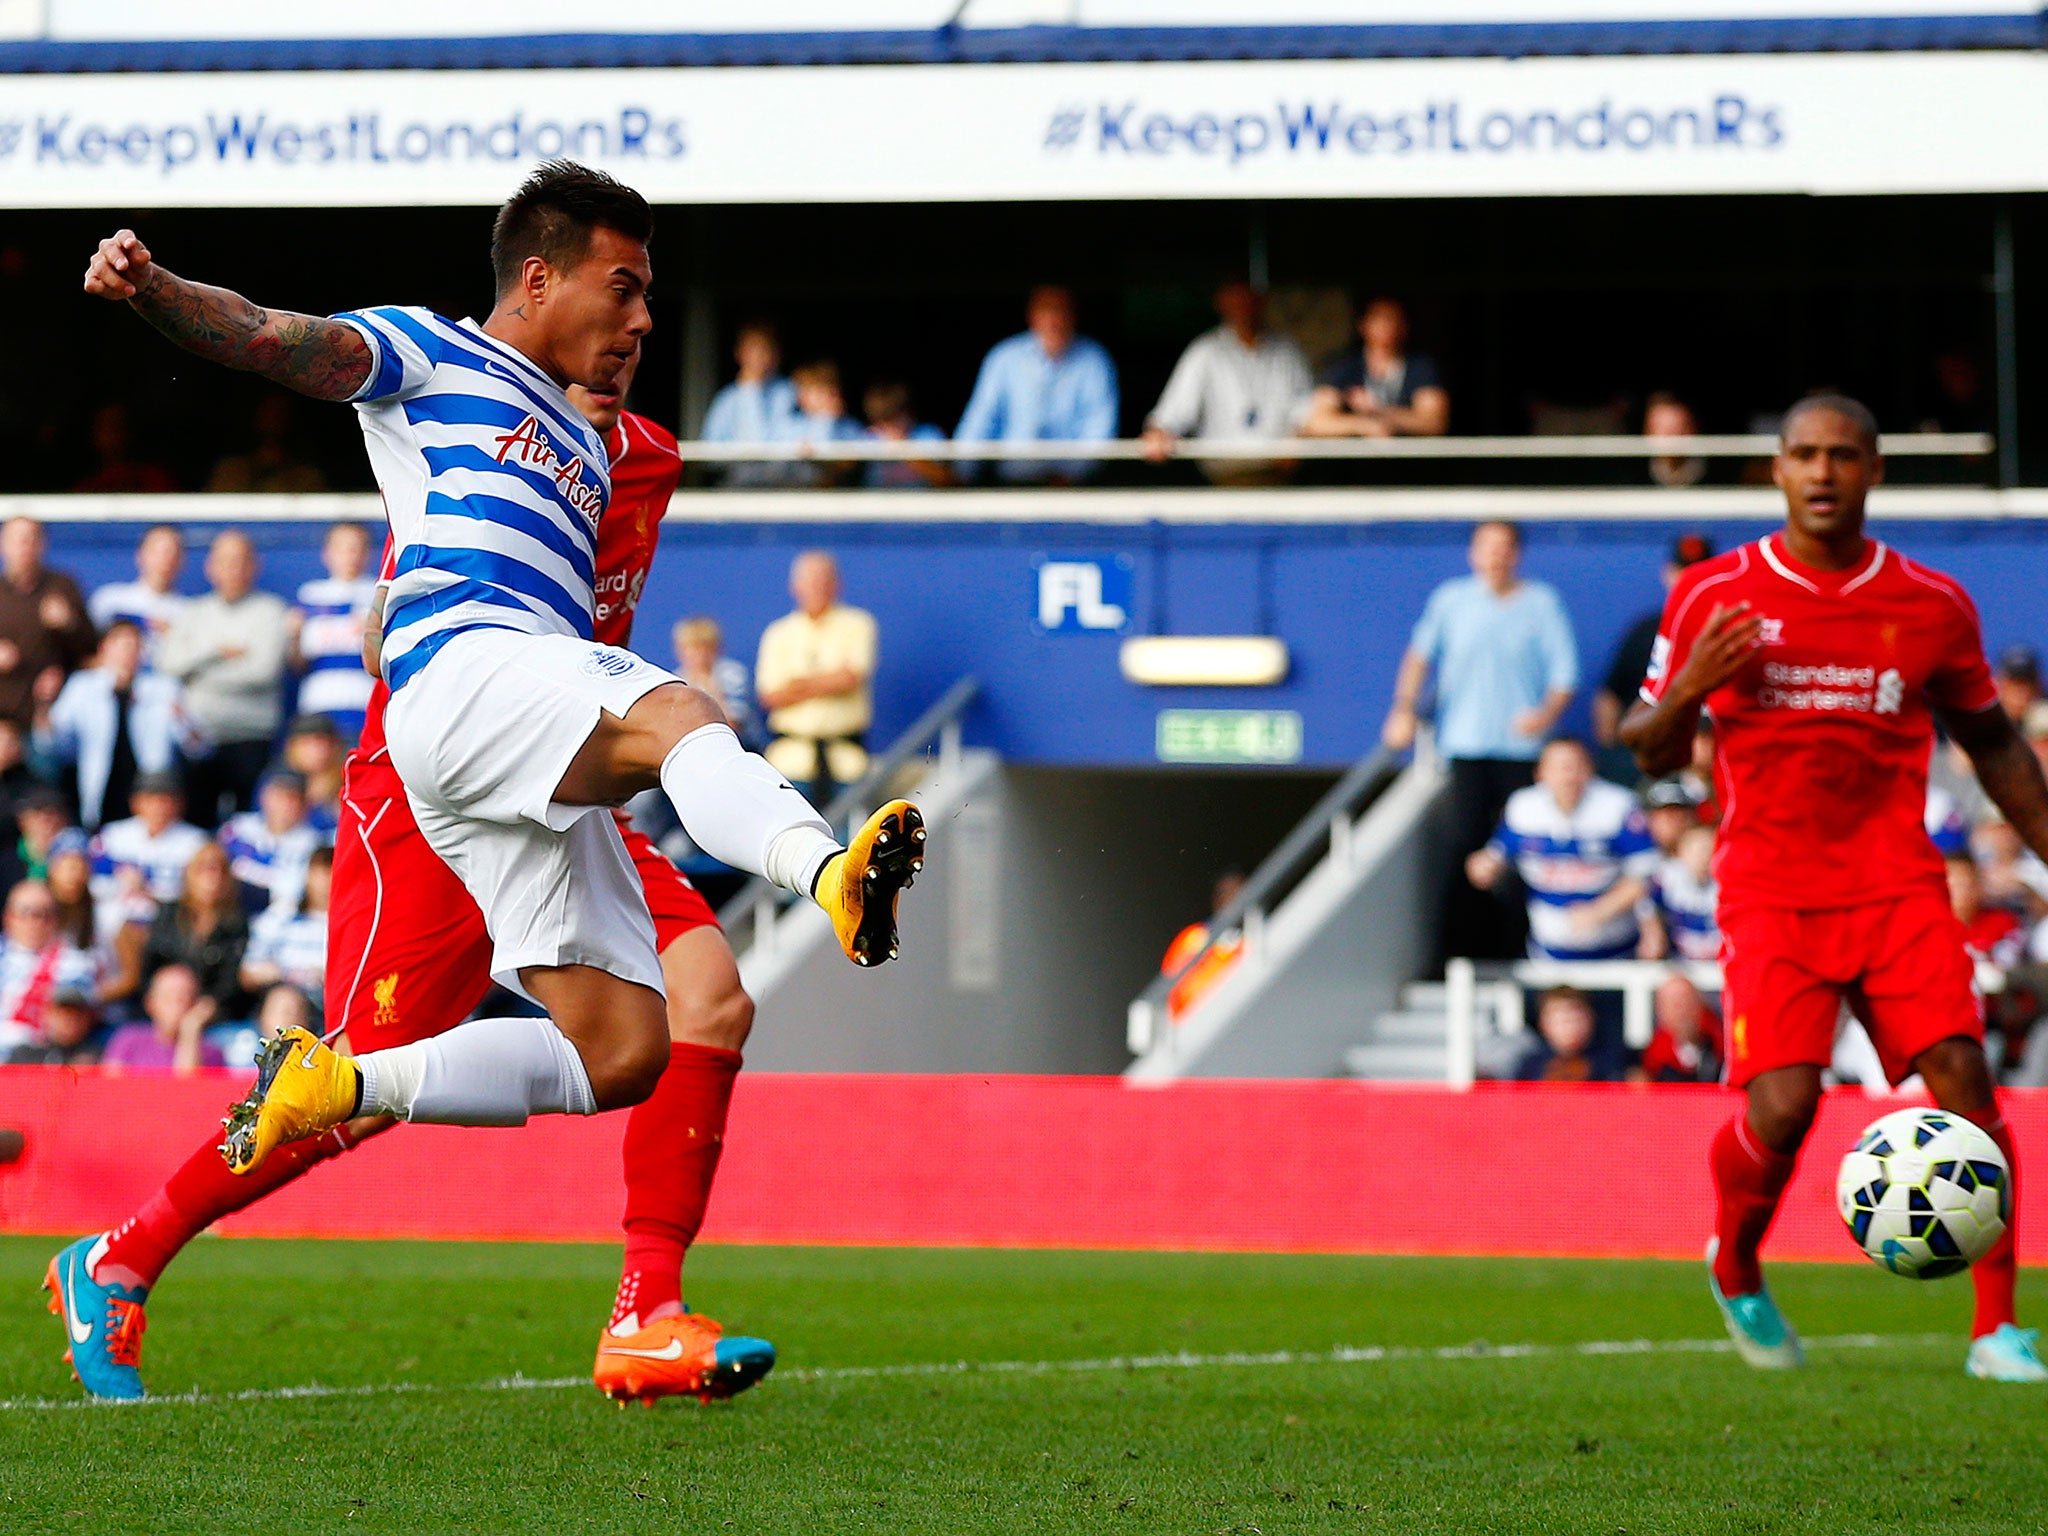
<point>721,1020</point>
<point>625,1072</point>
<point>1781,1112</point>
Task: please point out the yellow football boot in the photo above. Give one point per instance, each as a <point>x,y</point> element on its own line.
<point>302,1088</point>
<point>683,1356</point>
<point>858,888</point>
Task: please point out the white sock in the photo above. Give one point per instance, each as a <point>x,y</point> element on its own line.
<point>738,809</point>
<point>485,1072</point>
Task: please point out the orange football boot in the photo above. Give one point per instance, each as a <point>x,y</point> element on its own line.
<point>682,1356</point>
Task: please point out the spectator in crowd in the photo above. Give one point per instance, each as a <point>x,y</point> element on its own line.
<point>204,931</point>
<point>282,1007</point>
<point>17,779</point>
<point>271,465</point>
<point>155,841</point>
<point>1505,664</point>
<point>152,601</point>
<point>1686,1046</point>
<point>755,407</point>
<point>313,749</point>
<point>34,962</point>
<point>1681,921</point>
<point>1048,383</point>
<point>44,629</point>
<point>2013,878</point>
<point>1671,806</point>
<point>701,662</point>
<point>815,673</point>
<point>820,418</point>
<point>1562,1049</point>
<point>1381,390</point>
<point>40,817</point>
<point>270,848</point>
<point>174,1038</point>
<point>327,624</point>
<point>1238,383</point>
<point>1960,401</point>
<point>891,419</point>
<point>70,1036</point>
<point>1665,415</point>
<point>2018,678</point>
<point>228,649</point>
<point>113,721</point>
<point>117,471</point>
<point>1583,850</point>
<point>112,925</point>
<point>1992,934</point>
<point>1631,664</point>
<point>288,944</point>
<point>1185,953</point>
<point>68,874</point>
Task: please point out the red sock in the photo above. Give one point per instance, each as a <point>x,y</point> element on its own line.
<point>198,1195</point>
<point>672,1146</point>
<point>1996,1274</point>
<point>1749,1177</point>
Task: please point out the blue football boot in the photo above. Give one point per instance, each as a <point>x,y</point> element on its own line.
<point>1762,1335</point>
<point>103,1323</point>
<point>2007,1353</point>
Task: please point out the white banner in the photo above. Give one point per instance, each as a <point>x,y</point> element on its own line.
<point>1843,123</point>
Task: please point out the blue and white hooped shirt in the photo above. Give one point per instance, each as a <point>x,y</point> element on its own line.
<point>331,618</point>
<point>1687,907</point>
<point>493,481</point>
<point>1566,859</point>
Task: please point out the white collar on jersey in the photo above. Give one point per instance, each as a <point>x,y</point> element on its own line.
<point>1776,562</point>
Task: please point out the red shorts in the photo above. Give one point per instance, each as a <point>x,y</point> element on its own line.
<point>407,954</point>
<point>1900,965</point>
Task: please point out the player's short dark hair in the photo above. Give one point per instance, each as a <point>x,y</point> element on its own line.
<point>553,213</point>
<point>1859,415</point>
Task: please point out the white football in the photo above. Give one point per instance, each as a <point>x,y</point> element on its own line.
<point>1924,1193</point>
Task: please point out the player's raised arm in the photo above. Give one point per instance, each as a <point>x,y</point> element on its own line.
<point>315,356</point>
<point>1659,732</point>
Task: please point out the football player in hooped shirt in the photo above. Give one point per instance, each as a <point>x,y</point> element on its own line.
<point>409,958</point>
<point>1825,658</point>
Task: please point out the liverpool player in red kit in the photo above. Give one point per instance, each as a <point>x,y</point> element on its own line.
<point>409,958</point>
<point>1825,658</point>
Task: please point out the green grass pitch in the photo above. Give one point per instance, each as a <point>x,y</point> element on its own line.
<point>1882,1433</point>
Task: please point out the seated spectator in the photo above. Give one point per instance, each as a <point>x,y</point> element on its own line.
<point>113,722</point>
<point>68,874</point>
<point>815,673</point>
<point>289,944</point>
<point>1670,806</point>
<point>1960,401</point>
<point>17,779</point>
<point>1681,923</point>
<point>270,465</point>
<point>34,962</point>
<point>1686,1047</point>
<point>283,1007</point>
<point>228,649</point>
<point>2018,678</point>
<point>116,470</point>
<point>111,928</point>
<point>702,663</point>
<point>1560,1053</point>
<point>203,930</point>
<point>1583,850</point>
<point>754,407</point>
<point>820,417</point>
<point>1665,415</point>
<point>1211,967</point>
<point>40,818</point>
<point>327,624</point>
<point>1238,383</point>
<point>270,847</point>
<point>2014,879</point>
<point>886,405</point>
<point>1380,390</point>
<point>1045,384</point>
<point>174,1038</point>
<point>1992,934</point>
<point>156,840</point>
<point>151,602</point>
<point>314,750</point>
<point>45,632</point>
<point>70,1036</point>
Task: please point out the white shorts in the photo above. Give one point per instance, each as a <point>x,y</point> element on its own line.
<point>482,736</point>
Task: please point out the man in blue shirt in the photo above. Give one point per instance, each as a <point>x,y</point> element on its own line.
<point>1506,666</point>
<point>1045,384</point>
<point>757,407</point>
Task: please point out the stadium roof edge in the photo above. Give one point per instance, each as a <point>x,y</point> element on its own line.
<point>1036,45</point>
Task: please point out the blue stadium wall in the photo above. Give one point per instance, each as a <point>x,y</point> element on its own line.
<point>955,599</point>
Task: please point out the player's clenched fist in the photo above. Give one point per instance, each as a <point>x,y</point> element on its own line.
<point>119,268</point>
<point>1723,645</point>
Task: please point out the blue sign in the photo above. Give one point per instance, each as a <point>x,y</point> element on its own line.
<point>1083,594</point>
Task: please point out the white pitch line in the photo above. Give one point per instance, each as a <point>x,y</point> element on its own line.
<point>1373,1354</point>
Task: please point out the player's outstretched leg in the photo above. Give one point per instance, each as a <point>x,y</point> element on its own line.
<point>1750,1175</point>
<point>126,1262</point>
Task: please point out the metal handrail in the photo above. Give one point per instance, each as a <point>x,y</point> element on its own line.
<point>941,720</point>
<point>1731,445</point>
<point>1325,826</point>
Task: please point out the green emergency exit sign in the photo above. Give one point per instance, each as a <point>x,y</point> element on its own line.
<point>1229,736</point>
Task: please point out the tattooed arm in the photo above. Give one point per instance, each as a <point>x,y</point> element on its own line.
<point>322,358</point>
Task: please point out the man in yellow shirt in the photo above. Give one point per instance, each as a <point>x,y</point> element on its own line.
<point>813,677</point>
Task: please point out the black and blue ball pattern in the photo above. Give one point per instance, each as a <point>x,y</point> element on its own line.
<point>1924,1193</point>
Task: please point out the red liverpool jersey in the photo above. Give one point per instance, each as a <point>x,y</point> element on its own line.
<point>1822,739</point>
<point>645,468</point>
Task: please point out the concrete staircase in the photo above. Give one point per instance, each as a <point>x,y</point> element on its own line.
<point>1408,1042</point>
